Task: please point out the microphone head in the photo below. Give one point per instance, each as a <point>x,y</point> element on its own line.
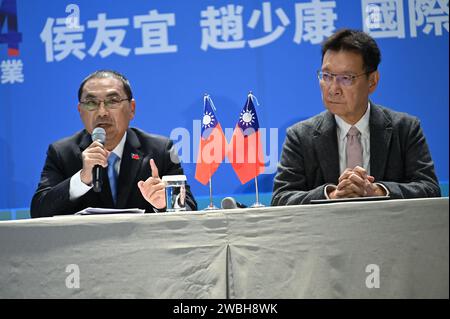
<point>228,203</point>
<point>99,134</point>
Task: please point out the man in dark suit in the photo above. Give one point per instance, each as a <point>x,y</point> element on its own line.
<point>135,158</point>
<point>356,148</point>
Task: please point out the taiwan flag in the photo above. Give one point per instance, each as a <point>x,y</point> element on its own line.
<point>212,147</point>
<point>245,150</point>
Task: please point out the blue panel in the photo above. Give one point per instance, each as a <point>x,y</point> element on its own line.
<point>38,101</point>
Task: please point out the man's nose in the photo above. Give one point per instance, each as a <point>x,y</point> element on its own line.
<point>102,110</point>
<point>334,88</point>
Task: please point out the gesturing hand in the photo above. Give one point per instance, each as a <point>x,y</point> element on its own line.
<point>153,189</point>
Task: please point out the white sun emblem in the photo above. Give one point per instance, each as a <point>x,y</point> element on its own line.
<point>247,118</point>
<point>208,120</point>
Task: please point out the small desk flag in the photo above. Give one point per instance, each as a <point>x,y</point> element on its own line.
<point>245,150</point>
<point>212,147</point>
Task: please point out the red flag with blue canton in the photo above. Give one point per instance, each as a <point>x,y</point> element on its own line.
<point>245,150</point>
<point>212,147</point>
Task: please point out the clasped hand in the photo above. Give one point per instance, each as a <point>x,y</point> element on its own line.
<point>356,183</point>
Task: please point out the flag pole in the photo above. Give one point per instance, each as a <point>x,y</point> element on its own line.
<point>257,203</point>
<point>211,204</point>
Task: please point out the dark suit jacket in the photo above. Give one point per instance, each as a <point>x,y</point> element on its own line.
<point>64,160</point>
<point>399,158</point>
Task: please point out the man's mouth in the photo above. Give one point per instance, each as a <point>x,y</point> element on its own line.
<point>103,125</point>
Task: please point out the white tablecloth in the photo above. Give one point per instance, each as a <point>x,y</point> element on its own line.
<point>308,251</point>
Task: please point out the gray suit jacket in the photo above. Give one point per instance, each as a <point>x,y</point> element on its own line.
<point>399,158</point>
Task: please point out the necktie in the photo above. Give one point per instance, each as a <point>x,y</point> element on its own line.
<point>354,148</point>
<point>112,175</point>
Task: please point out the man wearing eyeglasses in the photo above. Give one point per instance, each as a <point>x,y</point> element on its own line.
<point>133,160</point>
<point>355,148</point>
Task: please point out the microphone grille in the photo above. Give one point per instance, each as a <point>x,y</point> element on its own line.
<point>228,203</point>
<point>99,134</point>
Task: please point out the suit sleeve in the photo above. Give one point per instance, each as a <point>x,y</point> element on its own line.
<point>52,195</point>
<point>419,176</point>
<point>290,183</point>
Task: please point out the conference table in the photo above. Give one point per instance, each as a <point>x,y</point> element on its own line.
<point>372,249</point>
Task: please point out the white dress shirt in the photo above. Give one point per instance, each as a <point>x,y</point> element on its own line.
<point>342,129</point>
<point>78,188</point>
<point>363,127</point>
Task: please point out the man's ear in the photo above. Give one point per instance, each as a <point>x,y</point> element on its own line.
<point>374,78</point>
<point>133,108</point>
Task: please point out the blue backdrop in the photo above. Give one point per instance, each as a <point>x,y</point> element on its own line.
<point>173,51</point>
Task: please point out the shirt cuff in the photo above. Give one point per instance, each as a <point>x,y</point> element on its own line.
<point>77,187</point>
<point>384,187</point>
<point>326,188</point>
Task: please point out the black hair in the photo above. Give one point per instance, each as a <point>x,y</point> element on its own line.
<point>108,74</point>
<point>355,41</point>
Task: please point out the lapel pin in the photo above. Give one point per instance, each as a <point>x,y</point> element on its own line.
<point>134,156</point>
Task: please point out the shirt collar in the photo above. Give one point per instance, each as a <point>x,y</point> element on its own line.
<point>362,125</point>
<point>119,148</point>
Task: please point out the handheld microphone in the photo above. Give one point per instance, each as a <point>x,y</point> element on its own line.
<point>99,135</point>
<point>231,203</point>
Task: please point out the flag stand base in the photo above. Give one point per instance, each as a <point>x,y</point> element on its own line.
<point>211,207</point>
<point>257,205</point>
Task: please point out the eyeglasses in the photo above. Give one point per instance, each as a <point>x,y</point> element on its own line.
<point>341,79</point>
<point>111,103</point>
